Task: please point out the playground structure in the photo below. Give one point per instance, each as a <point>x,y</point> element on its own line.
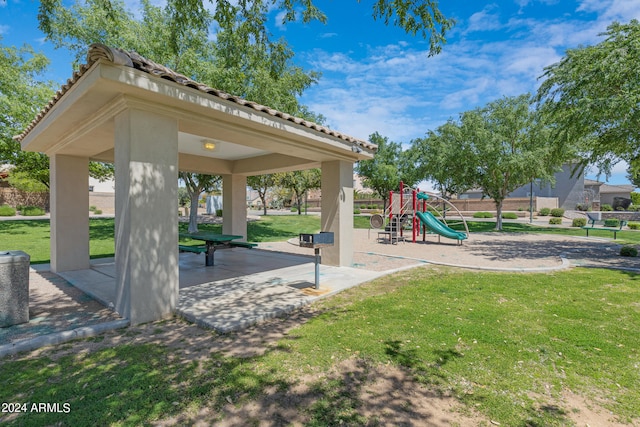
<point>422,213</point>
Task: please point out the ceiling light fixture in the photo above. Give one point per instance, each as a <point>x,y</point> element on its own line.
<point>208,144</point>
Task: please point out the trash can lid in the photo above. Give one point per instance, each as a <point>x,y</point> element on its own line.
<point>7,257</point>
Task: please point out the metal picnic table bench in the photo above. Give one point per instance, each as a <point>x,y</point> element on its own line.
<point>212,241</point>
<point>592,225</point>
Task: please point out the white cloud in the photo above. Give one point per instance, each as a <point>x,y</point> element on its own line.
<point>4,29</point>
<point>278,20</point>
<point>397,90</point>
<point>485,20</point>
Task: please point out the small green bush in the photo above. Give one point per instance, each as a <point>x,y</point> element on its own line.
<point>97,211</point>
<point>356,211</point>
<point>373,207</point>
<point>218,212</point>
<point>363,206</point>
<point>555,221</point>
<point>510,215</point>
<point>634,225</point>
<point>6,210</point>
<point>92,208</point>
<point>628,251</point>
<point>612,222</point>
<point>606,208</point>
<point>579,222</point>
<point>544,212</point>
<point>31,211</point>
<point>557,212</point>
<point>483,215</point>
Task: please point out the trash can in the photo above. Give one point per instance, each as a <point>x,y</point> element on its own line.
<point>14,288</point>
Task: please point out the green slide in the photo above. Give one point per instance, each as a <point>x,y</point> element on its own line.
<point>438,227</point>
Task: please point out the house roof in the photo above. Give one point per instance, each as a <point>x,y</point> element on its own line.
<point>116,56</point>
<point>625,188</point>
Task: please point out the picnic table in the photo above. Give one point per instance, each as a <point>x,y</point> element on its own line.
<point>212,241</point>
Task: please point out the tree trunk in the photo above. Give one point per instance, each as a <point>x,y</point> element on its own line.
<point>263,197</point>
<point>193,215</point>
<point>499,215</point>
<point>299,199</point>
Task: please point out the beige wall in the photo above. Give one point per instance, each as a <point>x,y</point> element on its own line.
<point>13,197</point>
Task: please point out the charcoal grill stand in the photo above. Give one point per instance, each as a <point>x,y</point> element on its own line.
<point>317,241</point>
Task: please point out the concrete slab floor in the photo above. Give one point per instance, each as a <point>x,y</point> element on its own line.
<point>245,286</point>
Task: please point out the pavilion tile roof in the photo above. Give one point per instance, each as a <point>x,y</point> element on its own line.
<point>131,59</point>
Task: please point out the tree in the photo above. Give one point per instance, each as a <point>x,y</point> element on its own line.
<point>508,146</point>
<point>439,158</point>
<point>262,184</point>
<point>423,18</point>
<point>197,184</point>
<point>22,94</point>
<point>299,182</point>
<point>593,94</point>
<point>389,166</point>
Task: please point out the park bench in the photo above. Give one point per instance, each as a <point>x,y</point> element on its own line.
<point>592,226</point>
<point>243,245</point>
<point>195,249</point>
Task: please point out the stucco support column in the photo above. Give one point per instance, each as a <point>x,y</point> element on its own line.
<point>337,211</point>
<point>69,208</point>
<point>234,205</point>
<point>146,172</point>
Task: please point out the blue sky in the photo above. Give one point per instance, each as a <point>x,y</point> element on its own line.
<point>377,78</point>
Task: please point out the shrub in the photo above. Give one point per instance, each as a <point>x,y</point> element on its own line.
<point>31,211</point>
<point>557,212</point>
<point>612,222</point>
<point>92,208</point>
<point>544,212</point>
<point>97,211</point>
<point>510,215</point>
<point>635,198</point>
<point>6,210</point>
<point>356,211</point>
<point>555,221</point>
<point>218,212</point>
<point>628,251</point>
<point>483,215</point>
<point>634,225</point>
<point>363,206</point>
<point>579,222</point>
<point>373,207</point>
<point>583,207</point>
<point>606,208</point>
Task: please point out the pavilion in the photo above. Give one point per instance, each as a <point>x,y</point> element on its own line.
<point>152,122</point>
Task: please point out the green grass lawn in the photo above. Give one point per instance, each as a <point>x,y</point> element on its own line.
<point>507,345</point>
<point>32,236</point>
